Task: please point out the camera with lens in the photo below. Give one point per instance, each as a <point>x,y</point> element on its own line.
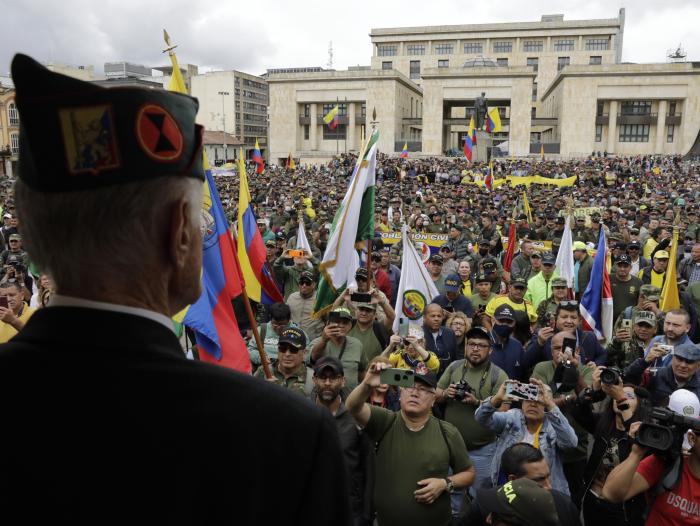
<point>663,431</point>
<point>610,376</point>
<point>462,389</point>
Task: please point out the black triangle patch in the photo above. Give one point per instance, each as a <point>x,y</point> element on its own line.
<point>164,144</point>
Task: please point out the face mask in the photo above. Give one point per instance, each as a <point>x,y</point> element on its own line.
<point>503,331</point>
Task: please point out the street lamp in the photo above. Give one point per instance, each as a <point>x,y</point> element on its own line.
<point>223,118</point>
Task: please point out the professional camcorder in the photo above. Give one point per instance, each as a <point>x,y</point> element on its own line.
<point>663,430</point>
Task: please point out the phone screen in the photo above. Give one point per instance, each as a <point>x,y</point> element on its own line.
<point>3,302</point>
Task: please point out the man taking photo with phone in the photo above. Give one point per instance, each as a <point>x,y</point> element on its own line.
<point>14,312</point>
<point>414,451</point>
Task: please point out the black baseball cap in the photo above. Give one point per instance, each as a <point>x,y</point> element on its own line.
<point>504,312</point>
<point>518,282</point>
<point>294,337</point>
<point>624,259</point>
<point>329,362</point>
<point>306,274</point>
<point>437,258</point>
<point>548,258</point>
<point>361,273</point>
<point>477,332</point>
<point>428,378</point>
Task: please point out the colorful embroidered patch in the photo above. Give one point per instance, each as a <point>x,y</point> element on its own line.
<point>89,139</point>
<point>158,134</point>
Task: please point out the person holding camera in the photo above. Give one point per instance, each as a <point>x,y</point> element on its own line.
<point>682,373</point>
<point>675,503</point>
<point>288,276</point>
<point>632,339</point>
<point>538,422</point>
<point>676,326</point>
<point>547,308</point>
<point>462,387</point>
<point>414,453</point>
<point>410,353</point>
<point>623,404</point>
<point>14,312</point>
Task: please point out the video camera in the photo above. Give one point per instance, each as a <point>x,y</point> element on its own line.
<point>662,431</point>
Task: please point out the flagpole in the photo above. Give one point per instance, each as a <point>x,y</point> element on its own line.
<point>264,360</point>
<point>336,128</point>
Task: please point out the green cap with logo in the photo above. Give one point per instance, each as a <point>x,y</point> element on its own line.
<point>650,292</point>
<point>645,316</point>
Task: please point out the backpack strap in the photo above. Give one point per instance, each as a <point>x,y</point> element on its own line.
<point>447,442</point>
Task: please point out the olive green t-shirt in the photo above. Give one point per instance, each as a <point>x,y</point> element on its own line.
<point>477,302</point>
<point>461,415</point>
<point>352,357</point>
<point>544,371</point>
<point>370,344</point>
<point>403,458</point>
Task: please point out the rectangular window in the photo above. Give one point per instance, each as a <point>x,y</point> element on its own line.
<point>672,108</point>
<point>635,107</point>
<point>334,135</point>
<point>342,108</point>
<point>502,47</point>
<point>597,44</point>
<point>306,132</point>
<point>598,132</point>
<point>363,110</point>
<point>415,49</point>
<point>14,143</point>
<point>444,49</point>
<point>533,112</point>
<point>533,45</point>
<point>564,45</point>
<point>634,133</point>
<point>443,63</point>
<point>562,62</point>
<point>594,61</point>
<point>534,63</point>
<point>669,132</point>
<point>600,108</point>
<point>534,91</point>
<point>415,69</point>
<point>387,50</point>
<point>307,110</point>
<point>473,48</point>
<point>388,65</point>
<point>502,61</point>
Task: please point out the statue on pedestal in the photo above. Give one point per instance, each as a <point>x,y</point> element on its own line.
<point>480,110</point>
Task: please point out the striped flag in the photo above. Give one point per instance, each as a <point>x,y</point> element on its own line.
<point>404,151</point>
<point>257,159</point>
<point>493,120</point>
<point>565,258</point>
<point>331,118</point>
<point>470,140</point>
<point>596,303</point>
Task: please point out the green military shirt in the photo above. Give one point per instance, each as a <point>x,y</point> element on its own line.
<point>624,293</point>
<point>351,355</point>
<point>461,415</point>
<point>478,302</point>
<point>300,381</point>
<point>369,341</point>
<point>403,458</point>
<point>544,371</point>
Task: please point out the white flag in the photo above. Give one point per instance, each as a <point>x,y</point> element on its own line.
<point>302,242</point>
<point>416,287</point>
<point>565,256</point>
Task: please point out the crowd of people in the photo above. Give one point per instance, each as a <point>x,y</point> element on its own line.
<point>457,444</point>
<point>500,408</point>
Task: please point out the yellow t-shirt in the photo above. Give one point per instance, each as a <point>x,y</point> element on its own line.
<point>7,331</point>
<point>656,279</point>
<point>649,247</point>
<point>525,306</point>
<point>397,360</point>
<point>467,288</point>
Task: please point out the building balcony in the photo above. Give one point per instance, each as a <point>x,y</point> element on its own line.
<point>411,146</point>
<point>544,121</point>
<point>303,120</point>
<point>342,119</point>
<point>673,119</point>
<point>603,119</point>
<point>465,122</point>
<point>648,118</point>
<point>412,120</point>
<point>549,147</point>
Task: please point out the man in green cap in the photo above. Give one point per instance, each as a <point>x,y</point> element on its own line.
<point>649,297</point>
<point>629,343</point>
<point>547,309</point>
<point>110,195</point>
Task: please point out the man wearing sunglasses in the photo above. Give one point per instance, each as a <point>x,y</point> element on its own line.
<point>289,369</point>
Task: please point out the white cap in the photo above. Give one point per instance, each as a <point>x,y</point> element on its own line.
<point>684,403</point>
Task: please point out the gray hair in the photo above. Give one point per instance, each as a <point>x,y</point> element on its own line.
<point>117,232</point>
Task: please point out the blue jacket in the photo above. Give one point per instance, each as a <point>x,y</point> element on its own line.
<point>445,349</point>
<point>460,304</point>
<point>660,382</point>
<point>666,360</point>
<point>556,436</point>
<point>512,357</point>
<point>591,350</point>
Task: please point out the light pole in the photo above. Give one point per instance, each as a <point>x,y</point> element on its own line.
<point>223,118</point>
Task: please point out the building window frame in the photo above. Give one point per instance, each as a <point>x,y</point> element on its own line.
<point>533,46</point>
<point>595,60</point>
<point>534,92</point>
<point>414,69</point>
<point>597,44</point>
<point>342,108</point>
<point>339,134</point>
<point>633,133</point>
<point>502,62</point>
<point>444,48</point>
<point>598,133</point>
<point>635,107</point>
<point>564,44</point>
<point>387,50</point>
<point>534,63</point>
<point>473,48</point>
<point>503,46</point>
<point>14,143</point>
<point>672,106</point>
<point>415,49</point>
<point>670,129</point>
<point>387,64</point>
<point>306,132</point>
<point>562,62</point>
<point>12,114</point>
<point>444,63</point>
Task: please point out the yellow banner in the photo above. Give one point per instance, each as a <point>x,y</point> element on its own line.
<point>527,181</point>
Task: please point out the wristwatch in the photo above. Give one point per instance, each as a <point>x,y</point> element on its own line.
<point>450,485</point>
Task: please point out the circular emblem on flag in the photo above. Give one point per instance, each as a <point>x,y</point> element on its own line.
<point>413,304</point>
<point>423,250</point>
<point>158,134</point>
<point>209,237</point>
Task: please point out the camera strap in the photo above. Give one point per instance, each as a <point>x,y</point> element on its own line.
<point>482,381</point>
<point>671,477</point>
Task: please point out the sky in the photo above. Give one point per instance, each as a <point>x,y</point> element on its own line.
<point>256,35</point>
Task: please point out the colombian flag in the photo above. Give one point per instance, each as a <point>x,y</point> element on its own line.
<point>404,152</point>
<point>211,316</point>
<point>257,159</point>
<point>470,140</point>
<point>331,118</point>
<point>259,283</point>
<point>290,164</point>
<point>493,121</point>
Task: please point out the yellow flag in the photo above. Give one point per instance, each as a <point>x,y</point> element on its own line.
<point>526,207</point>
<point>669,294</point>
<point>542,151</point>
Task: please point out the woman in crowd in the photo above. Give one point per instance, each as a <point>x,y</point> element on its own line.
<point>410,353</point>
<point>465,273</point>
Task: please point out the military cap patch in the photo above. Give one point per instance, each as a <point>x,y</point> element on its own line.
<point>89,139</point>
<point>158,134</point>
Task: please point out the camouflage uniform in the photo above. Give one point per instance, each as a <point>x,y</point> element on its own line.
<point>622,354</point>
<point>300,381</point>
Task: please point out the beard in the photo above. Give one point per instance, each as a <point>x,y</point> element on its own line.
<point>328,395</point>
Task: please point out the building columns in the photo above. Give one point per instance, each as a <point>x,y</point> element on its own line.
<point>351,127</point>
<point>612,126</point>
<point>660,127</point>
<point>313,128</point>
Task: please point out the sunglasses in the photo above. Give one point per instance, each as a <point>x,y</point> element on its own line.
<point>287,348</point>
<point>305,282</point>
<point>569,303</point>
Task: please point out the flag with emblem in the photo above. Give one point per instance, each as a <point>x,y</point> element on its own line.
<point>416,288</point>
<point>211,317</point>
<point>352,225</point>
